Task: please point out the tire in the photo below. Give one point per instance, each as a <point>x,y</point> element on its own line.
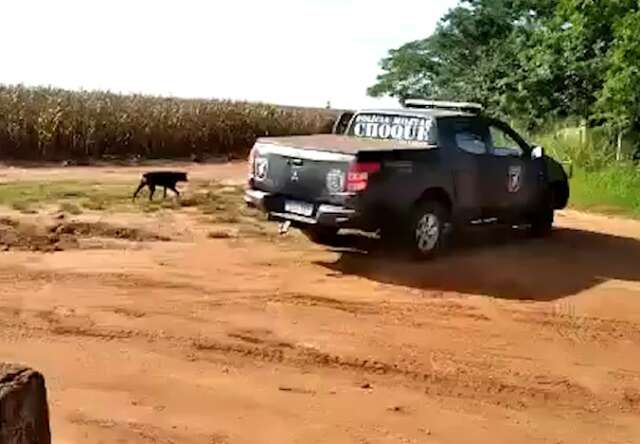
<point>542,223</point>
<point>322,235</point>
<point>427,230</point>
<point>560,195</point>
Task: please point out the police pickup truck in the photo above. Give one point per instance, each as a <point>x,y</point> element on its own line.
<point>414,173</point>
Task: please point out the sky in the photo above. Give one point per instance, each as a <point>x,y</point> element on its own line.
<point>290,52</point>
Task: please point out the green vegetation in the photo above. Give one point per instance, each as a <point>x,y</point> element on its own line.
<point>221,205</point>
<point>23,207</point>
<point>54,124</point>
<point>534,60</point>
<point>69,196</point>
<point>564,71</point>
<point>71,208</point>
<point>599,182</point>
<point>608,190</point>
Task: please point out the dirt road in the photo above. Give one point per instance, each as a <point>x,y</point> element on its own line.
<point>276,340</point>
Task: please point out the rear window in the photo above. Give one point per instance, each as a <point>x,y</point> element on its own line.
<point>408,129</point>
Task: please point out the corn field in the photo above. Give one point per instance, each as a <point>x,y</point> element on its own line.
<point>55,124</point>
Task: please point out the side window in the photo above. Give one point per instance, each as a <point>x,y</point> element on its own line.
<point>502,144</point>
<point>470,139</point>
<point>342,122</point>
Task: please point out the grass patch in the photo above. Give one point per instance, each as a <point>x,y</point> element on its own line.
<point>95,205</point>
<point>24,207</point>
<point>70,208</point>
<point>599,183</point>
<point>225,218</point>
<point>34,195</point>
<point>612,190</point>
<point>153,206</point>
<point>222,204</point>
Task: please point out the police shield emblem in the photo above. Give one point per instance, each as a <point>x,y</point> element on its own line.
<point>335,181</point>
<point>514,179</point>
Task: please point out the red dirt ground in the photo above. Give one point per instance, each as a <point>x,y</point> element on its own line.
<point>247,340</point>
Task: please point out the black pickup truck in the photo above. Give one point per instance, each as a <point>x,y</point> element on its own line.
<point>414,174</point>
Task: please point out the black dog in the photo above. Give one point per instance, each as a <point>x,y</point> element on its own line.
<point>165,179</point>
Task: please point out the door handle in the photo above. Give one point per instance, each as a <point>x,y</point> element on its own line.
<point>295,162</point>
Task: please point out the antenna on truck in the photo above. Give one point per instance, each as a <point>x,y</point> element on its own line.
<point>474,108</point>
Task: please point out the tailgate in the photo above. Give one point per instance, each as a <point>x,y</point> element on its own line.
<point>305,174</point>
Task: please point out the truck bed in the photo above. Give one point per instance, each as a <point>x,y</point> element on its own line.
<point>341,144</point>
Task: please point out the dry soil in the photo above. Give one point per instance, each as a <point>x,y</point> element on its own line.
<point>194,337</point>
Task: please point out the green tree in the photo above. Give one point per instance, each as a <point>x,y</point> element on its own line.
<point>531,59</point>
<point>620,98</point>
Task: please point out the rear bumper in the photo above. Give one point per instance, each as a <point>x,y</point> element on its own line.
<point>324,214</point>
<point>256,199</point>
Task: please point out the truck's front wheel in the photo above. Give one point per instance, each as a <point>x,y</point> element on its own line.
<point>427,230</point>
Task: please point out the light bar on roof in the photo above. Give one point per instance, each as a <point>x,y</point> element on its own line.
<point>435,104</point>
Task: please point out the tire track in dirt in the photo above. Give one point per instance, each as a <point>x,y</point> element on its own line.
<point>35,277</point>
<point>407,313</point>
<point>136,431</point>
<point>464,383</point>
<point>460,377</point>
<point>578,328</point>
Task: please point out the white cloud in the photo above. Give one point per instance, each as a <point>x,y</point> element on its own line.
<point>301,52</point>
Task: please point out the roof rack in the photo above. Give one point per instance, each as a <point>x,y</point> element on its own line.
<point>474,108</point>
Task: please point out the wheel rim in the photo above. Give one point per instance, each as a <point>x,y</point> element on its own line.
<point>427,232</point>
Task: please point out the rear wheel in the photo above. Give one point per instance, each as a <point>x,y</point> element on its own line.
<point>426,232</point>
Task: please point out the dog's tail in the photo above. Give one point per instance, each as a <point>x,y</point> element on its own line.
<point>143,183</point>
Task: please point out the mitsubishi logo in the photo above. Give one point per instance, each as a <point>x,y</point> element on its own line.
<point>294,176</point>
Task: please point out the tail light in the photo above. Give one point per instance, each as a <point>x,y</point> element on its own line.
<point>358,175</point>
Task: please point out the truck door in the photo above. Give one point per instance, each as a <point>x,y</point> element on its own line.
<point>468,156</point>
<point>519,179</point>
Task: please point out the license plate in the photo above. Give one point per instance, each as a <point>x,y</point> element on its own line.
<point>301,208</point>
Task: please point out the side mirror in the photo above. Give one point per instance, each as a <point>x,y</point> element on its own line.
<point>537,152</point>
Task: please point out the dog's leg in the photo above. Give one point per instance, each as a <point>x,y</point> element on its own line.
<point>143,183</point>
<point>175,190</point>
<point>164,195</point>
<point>152,189</point>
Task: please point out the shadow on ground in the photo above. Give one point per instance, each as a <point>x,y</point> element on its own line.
<point>501,263</point>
